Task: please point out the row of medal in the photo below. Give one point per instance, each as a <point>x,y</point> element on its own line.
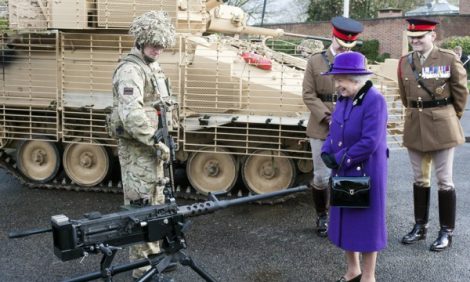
<point>435,72</point>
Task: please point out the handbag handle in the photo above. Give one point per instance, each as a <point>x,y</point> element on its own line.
<point>341,163</point>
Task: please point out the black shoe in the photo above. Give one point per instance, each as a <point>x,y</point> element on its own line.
<point>418,233</point>
<point>355,279</point>
<point>443,241</point>
<point>322,225</point>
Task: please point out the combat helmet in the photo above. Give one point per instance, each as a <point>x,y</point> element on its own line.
<point>153,28</point>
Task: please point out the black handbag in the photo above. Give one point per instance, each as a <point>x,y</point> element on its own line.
<point>350,191</point>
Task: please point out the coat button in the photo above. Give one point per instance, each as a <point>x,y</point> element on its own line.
<point>340,144</point>
<point>358,168</point>
<point>348,161</point>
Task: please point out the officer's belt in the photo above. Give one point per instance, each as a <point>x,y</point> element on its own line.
<point>140,202</point>
<point>430,104</point>
<point>328,97</point>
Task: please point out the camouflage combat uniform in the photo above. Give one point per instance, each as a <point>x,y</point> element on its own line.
<point>134,121</point>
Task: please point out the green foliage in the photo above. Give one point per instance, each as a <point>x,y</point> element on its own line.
<point>3,24</point>
<point>324,10</point>
<point>383,56</point>
<point>370,49</point>
<point>451,42</point>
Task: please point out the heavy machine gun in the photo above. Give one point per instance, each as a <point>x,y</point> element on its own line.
<point>106,234</point>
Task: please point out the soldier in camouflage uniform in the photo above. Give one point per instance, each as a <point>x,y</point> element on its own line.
<point>135,122</point>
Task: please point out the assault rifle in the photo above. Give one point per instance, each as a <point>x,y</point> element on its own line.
<point>163,134</point>
<point>106,234</point>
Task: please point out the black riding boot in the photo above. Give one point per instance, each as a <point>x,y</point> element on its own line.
<point>447,203</point>
<point>320,203</point>
<point>421,198</point>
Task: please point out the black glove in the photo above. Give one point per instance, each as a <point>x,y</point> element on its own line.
<point>329,160</point>
<point>158,136</point>
<point>327,118</point>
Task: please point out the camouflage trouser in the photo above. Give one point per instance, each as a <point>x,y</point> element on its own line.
<point>140,169</point>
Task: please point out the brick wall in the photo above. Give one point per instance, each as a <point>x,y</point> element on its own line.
<point>464,6</point>
<point>389,31</point>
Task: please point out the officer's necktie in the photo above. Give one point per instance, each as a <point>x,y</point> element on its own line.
<point>422,58</point>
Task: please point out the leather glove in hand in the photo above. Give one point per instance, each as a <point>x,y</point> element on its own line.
<point>164,151</point>
<point>329,160</point>
<point>327,118</point>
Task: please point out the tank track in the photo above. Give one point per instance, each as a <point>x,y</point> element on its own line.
<point>64,183</point>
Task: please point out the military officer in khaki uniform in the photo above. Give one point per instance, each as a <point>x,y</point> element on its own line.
<point>433,88</point>
<point>135,122</point>
<point>319,95</point>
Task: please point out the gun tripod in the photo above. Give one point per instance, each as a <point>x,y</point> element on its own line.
<point>173,247</point>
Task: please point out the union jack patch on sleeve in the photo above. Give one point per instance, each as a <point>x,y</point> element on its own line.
<point>128,91</point>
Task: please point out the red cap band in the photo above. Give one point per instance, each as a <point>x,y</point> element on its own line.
<point>421,27</point>
<point>346,37</point>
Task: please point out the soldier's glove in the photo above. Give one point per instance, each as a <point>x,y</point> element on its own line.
<point>163,151</point>
<point>329,160</point>
<point>158,136</point>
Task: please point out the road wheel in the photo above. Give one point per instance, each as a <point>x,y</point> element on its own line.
<point>86,164</point>
<point>38,160</point>
<point>212,172</point>
<point>305,166</point>
<point>263,172</point>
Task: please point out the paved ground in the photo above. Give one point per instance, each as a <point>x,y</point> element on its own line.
<point>249,242</point>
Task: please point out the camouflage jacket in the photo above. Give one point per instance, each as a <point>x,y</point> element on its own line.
<point>134,91</point>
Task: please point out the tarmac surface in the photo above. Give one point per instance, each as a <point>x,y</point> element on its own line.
<point>250,242</point>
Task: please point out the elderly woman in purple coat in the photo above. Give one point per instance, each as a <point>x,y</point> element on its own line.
<point>356,145</point>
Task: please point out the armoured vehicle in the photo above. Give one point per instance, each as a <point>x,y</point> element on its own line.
<point>240,111</point>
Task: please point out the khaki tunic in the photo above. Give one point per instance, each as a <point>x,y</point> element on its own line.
<point>315,84</point>
<point>435,128</point>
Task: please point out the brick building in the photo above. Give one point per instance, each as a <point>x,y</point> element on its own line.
<point>389,30</point>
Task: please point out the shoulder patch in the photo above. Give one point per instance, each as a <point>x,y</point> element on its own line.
<point>128,91</point>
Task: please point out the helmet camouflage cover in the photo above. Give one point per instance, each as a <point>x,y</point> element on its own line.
<point>310,46</point>
<point>153,28</point>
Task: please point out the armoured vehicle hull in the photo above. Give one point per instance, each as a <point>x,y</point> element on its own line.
<point>240,110</point>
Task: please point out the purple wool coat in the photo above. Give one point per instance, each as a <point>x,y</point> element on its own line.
<point>358,133</point>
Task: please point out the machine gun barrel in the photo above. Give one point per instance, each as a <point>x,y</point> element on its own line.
<point>215,204</point>
<point>12,235</point>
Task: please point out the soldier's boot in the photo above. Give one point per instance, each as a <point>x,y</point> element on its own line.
<point>421,198</point>
<point>320,202</point>
<point>447,205</point>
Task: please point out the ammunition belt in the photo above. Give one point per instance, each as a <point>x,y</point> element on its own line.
<point>328,97</point>
<point>430,104</point>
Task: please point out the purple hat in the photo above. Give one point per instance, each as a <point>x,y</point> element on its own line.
<point>348,63</point>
